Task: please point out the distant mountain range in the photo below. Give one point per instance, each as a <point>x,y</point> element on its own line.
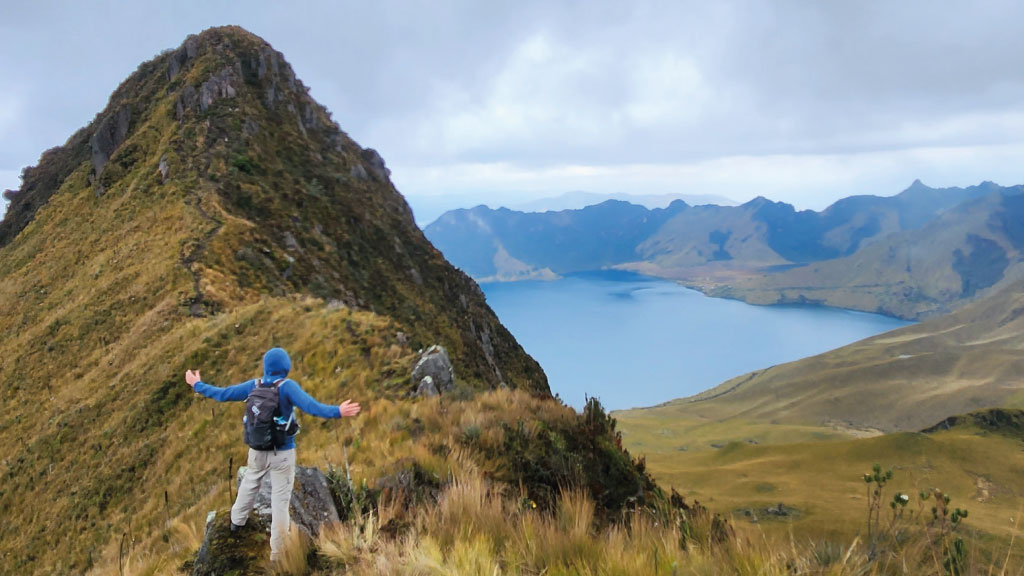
<point>508,245</point>
<point>921,252</point>
<point>580,199</point>
<point>429,208</point>
<point>971,249</point>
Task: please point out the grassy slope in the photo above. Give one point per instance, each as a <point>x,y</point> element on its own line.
<point>99,422</point>
<point>100,317</point>
<point>819,474</point>
<point>902,380</point>
<point>802,433</point>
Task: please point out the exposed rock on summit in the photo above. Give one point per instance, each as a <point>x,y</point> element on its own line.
<point>376,163</point>
<point>109,135</point>
<point>188,50</point>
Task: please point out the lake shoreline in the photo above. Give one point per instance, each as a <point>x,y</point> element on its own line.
<point>710,290</point>
<point>634,340</point>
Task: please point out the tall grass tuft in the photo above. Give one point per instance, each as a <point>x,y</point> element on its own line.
<point>293,559</point>
<point>479,527</point>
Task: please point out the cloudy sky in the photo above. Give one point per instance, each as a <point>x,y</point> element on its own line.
<point>471,102</point>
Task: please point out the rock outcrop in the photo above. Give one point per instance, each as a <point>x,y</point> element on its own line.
<point>433,372</point>
<point>220,85</point>
<point>109,135</point>
<point>247,550</point>
<point>311,506</point>
<point>426,388</point>
<point>376,163</point>
<point>187,51</point>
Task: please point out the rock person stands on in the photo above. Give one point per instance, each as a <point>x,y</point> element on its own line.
<point>279,461</point>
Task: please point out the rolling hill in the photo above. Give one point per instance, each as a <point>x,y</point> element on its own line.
<point>904,380</point>
<point>770,435</point>
<point>818,480</point>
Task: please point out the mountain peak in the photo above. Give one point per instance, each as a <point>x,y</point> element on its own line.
<point>918,185</point>
<point>221,73</point>
<point>273,198</point>
<point>758,202</point>
<point>227,32</point>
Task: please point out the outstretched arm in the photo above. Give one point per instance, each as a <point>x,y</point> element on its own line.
<point>309,405</point>
<point>236,393</point>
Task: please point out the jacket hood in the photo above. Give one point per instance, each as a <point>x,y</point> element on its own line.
<point>276,364</point>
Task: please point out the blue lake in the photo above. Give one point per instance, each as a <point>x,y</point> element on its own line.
<point>635,341</point>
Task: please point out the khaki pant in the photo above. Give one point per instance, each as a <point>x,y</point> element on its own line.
<point>281,465</point>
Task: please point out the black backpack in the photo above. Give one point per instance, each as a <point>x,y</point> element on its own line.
<point>262,408</point>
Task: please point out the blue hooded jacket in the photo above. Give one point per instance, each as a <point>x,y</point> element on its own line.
<point>276,365</point>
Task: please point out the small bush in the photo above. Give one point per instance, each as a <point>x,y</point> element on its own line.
<point>244,164</point>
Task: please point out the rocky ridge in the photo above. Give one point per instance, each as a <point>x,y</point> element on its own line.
<point>211,210</point>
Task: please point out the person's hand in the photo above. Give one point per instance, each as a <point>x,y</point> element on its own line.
<point>348,408</point>
<point>193,376</point>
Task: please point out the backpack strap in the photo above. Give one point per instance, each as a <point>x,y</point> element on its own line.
<point>277,383</point>
<point>277,388</point>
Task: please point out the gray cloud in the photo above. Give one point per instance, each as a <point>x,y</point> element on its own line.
<point>808,100</point>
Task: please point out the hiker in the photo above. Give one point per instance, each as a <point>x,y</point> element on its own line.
<point>277,455</point>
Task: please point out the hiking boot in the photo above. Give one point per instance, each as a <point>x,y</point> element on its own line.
<point>235,528</point>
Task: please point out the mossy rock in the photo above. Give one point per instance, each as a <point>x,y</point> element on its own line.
<point>245,552</point>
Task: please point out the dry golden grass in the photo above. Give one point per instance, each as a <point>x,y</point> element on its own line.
<point>477,525</point>
<point>102,287</point>
<point>479,528</point>
<point>819,479</point>
<point>293,559</point>
<point>390,435</point>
